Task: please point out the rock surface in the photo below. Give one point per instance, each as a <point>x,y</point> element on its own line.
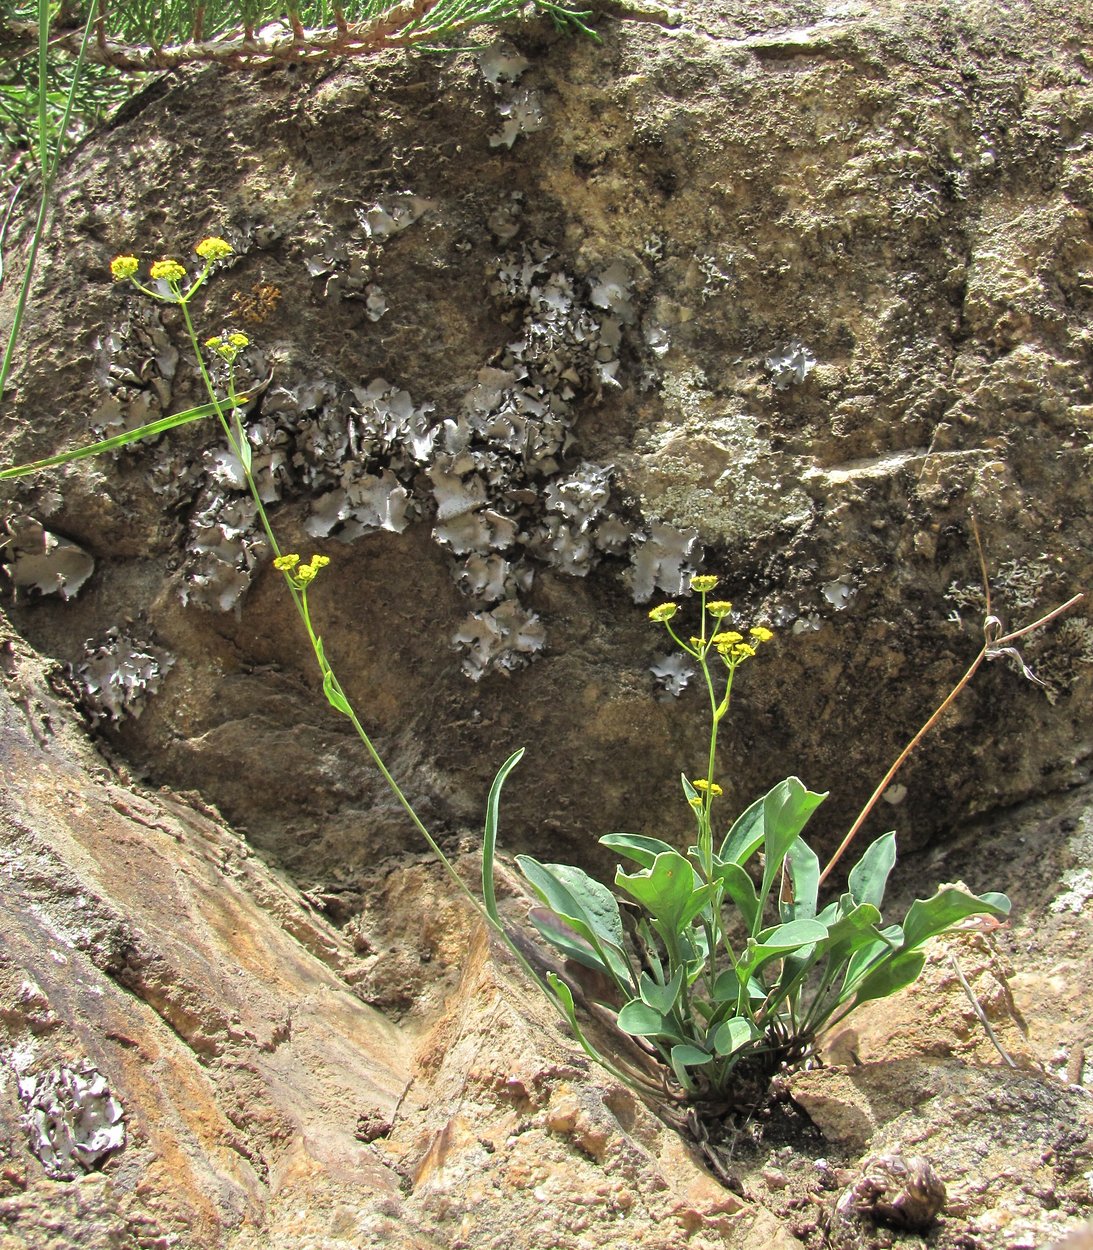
<point>788,292</point>
<point>584,356</point>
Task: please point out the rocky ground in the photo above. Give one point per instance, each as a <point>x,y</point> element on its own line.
<point>794,293</point>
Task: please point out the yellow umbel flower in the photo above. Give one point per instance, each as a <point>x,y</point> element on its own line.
<point>760,633</point>
<point>167,271</point>
<point>286,563</point>
<point>123,267</point>
<point>214,249</point>
<point>711,786</point>
<point>664,613</point>
<point>307,573</point>
<point>704,583</point>
<point>228,346</point>
<point>719,607</point>
<point>726,639</point>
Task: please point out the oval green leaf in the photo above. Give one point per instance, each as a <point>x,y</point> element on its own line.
<point>669,890</point>
<point>686,1056</point>
<point>734,1034</point>
<point>641,1020</point>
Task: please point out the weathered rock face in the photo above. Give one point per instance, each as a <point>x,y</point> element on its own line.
<point>810,285</point>
<point>179,1013</point>
<point>788,293</point>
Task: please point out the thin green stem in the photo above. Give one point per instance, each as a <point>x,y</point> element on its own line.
<point>49,165</point>
<point>44,19</point>
<point>237,441</point>
<point>819,1009</point>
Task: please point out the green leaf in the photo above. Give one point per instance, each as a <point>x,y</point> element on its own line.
<point>634,846</point>
<point>667,890</point>
<point>804,872</point>
<point>555,930</point>
<point>246,455</point>
<point>661,998</point>
<point>119,440</point>
<point>853,932</point>
<point>641,1020</point>
<point>564,997</point>
<point>928,917</point>
<point>777,941</point>
<point>331,689</point>
<point>739,887</point>
<point>726,988</point>
<point>333,693</point>
<point>734,1034</point>
<point>869,876</point>
<point>830,913</point>
<point>894,973</point>
<point>583,903</point>
<point>786,809</point>
<point>687,1056</point>
<point>869,954</point>
<point>745,837</point>
<point>489,836</point>
<point>694,950</point>
<point>846,935</point>
<point>792,934</point>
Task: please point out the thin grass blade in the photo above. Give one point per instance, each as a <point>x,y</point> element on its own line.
<point>118,440</point>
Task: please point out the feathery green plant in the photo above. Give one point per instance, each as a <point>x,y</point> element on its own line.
<point>63,66</point>
<point>49,144</point>
<point>139,35</point>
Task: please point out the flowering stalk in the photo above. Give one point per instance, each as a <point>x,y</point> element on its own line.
<point>732,649</point>
<point>171,287</point>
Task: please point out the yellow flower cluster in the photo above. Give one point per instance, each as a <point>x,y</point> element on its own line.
<point>704,583</point>
<point>729,644</point>
<point>732,647</point>
<point>214,249</point>
<point>228,345</point>
<point>122,268</point>
<point>703,785</point>
<point>301,575</point>
<point>169,271</point>
<point>726,638</point>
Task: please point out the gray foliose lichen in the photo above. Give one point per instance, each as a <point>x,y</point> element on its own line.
<point>500,480</point>
<point>41,562</point>
<point>117,674</point>
<point>72,1119</point>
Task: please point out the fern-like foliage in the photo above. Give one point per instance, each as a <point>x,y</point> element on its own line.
<point>143,35</point>
<point>131,38</point>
